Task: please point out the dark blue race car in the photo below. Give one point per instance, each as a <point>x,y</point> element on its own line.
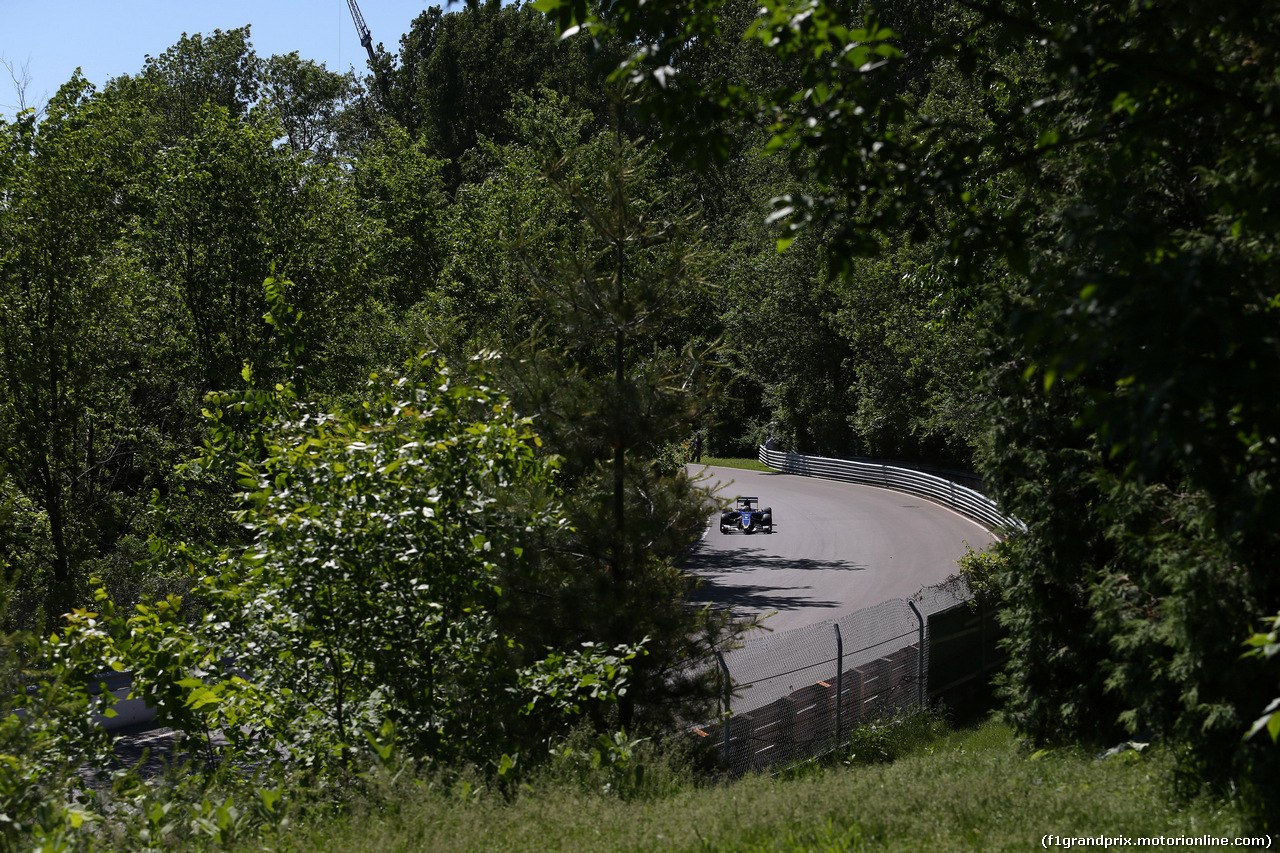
<point>747,517</point>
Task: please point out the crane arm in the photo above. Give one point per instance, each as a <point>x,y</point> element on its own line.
<point>362,29</point>
<point>366,40</point>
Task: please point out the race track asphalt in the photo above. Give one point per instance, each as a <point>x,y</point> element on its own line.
<point>837,547</point>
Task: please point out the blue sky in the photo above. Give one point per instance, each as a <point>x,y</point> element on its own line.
<point>107,39</point>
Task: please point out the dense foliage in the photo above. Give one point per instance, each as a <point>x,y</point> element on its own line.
<point>1030,238</point>
<point>1091,184</point>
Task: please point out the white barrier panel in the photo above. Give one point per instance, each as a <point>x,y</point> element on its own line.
<point>960,498</point>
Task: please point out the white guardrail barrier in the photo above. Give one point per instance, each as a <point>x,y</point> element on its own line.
<point>960,498</point>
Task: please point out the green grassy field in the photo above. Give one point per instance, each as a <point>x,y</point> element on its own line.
<point>971,789</point>
<point>750,464</point>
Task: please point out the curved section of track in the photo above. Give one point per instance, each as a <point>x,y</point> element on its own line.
<point>836,547</point>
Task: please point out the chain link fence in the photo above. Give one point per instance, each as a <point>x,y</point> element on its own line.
<point>794,695</point>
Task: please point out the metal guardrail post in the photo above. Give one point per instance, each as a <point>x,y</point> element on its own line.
<point>982,634</point>
<point>839,683</point>
<point>728,709</point>
<point>920,652</point>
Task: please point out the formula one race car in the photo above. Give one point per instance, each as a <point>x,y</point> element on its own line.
<point>748,517</point>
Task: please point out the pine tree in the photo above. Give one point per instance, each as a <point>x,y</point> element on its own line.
<point>610,385</point>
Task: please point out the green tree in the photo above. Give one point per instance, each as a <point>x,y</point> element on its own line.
<point>65,430</point>
<point>609,386</point>
<point>914,360</point>
<point>509,201</point>
<point>309,100</point>
<point>780,325</point>
<point>1105,193</point>
<point>222,208</point>
<point>458,73</point>
<point>220,70</point>
<point>401,185</point>
<point>135,241</point>
<point>380,537</point>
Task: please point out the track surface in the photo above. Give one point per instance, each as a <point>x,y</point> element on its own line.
<point>836,547</point>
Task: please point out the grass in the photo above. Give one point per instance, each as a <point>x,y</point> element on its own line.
<point>750,464</point>
<point>970,789</point>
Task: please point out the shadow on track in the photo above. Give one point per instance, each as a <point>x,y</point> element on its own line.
<point>714,566</point>
<point>755,598</point>
<point>709,561</point>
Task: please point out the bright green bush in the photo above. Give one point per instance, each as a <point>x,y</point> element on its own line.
<point>45,735</point>
<point>381,536</point>
<point>981,570</point>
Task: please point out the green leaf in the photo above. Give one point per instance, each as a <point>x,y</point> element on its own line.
<point>201,697</point>
<point>269,797</point>
<point>1270,720</point>
<point>1048,139</point>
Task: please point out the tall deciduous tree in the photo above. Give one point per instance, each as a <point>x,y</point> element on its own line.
<point>62,432</point>
<point>399,184</point>
<point>309,100</point>
<point>223,206</point>
<point>220,70</point>
<point>458,75</point>
<point>608,388</point>
<point>137,225</point>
